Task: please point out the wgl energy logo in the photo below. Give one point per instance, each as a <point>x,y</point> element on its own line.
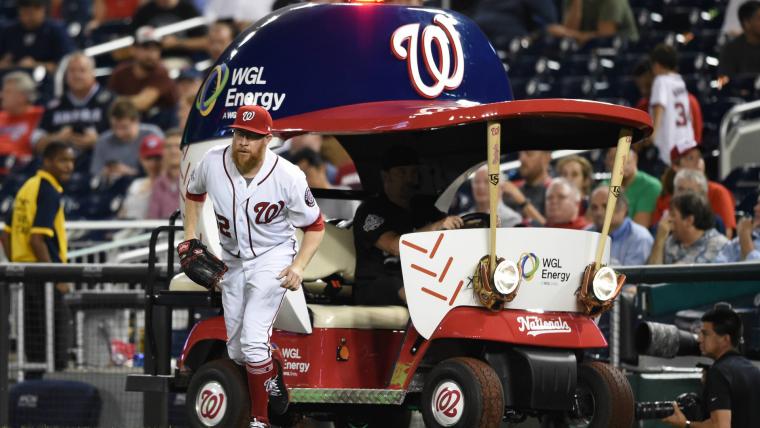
<point>550,268</point>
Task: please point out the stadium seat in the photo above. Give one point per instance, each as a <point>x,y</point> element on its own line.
<point>678,19</point>
<point>744,182</point>
<point>576,87</point>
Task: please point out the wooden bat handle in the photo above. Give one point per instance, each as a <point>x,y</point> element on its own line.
<point>623,149</point>
<point>494,171</point>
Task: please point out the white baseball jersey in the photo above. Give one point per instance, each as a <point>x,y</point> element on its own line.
<point>669,91</point>
<point>253,218</point>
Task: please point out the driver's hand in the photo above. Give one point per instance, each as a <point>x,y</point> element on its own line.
<point>451,222</point>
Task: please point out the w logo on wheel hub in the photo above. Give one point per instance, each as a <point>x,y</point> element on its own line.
<point>448,403</point>
<point>211,404</point>
<point>445,39</point>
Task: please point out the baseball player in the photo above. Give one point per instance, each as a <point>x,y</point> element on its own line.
<point>259,199</point>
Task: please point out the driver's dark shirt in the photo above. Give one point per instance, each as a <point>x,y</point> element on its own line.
<point>377,216</point>
<point>733,383</point>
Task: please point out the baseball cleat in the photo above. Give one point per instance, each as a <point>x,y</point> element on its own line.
<point>279,398</point>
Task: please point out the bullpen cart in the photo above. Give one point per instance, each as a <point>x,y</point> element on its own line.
<point>374,76</point>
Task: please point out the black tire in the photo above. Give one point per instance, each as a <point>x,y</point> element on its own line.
<point>218,396</point>
<point>605,399</point>
<point>462,393</point>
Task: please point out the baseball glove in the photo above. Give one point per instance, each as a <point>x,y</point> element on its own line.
<point>591,305</point>
<point>484,288</point>
<point>199,264</point>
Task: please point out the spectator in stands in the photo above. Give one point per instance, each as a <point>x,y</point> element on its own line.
<point>479,183</point>
<point>184,107</point>
<point>308,141</point>
<point>78,117</point>
<point>563,205</point>
<point>116,152</point>
<point>585,20</point>
<point>669,104</point>
<point>137,199</point>
<point>530,214</point>
<point>34,39</point>
<point>335,154</point>
<point>220,35</point>
<point>686,233</point>
<point>577,170</point>
<point>158,13</point>
<point>689,157</point>
<point>534,170</point>
<point>641,189</point>
<point>111,10</point>
<point>746,245</point>
<point>34,233</point>
<point>643,77</point>
<point>18,120</point>
<point>145,80</point>
<point>242,12</point>
<point>189,82</point>
<point>315,168</point>
<point>742,54</point>
<point>164,194</point>
<point>631,242</point>
<point>505,20</point>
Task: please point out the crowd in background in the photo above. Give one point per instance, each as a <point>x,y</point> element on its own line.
<point>125,124</point>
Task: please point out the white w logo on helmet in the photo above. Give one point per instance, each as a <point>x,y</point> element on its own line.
<point>248,115</point>
<point>444,36</point>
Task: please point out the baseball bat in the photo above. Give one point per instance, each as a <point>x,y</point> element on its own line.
<point>623,151</point>
<point>494,163</point>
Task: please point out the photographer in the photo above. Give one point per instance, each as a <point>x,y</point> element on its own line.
<point>731,393</point>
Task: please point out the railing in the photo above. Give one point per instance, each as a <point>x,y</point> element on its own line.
<point>738,137</point>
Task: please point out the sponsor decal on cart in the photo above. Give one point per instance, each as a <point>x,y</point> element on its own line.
<point>536,326</point>
<point>211,404</point>
<point>442,37</point>
<point>549,269</point>
<point>293,365</point>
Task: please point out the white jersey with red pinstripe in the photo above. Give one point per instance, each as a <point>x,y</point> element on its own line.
<point>253,218</point>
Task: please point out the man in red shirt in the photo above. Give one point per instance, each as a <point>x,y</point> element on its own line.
<point>145,81</point>
<point>18,120</point>
<point>563,206</point>
<point>689,156</point>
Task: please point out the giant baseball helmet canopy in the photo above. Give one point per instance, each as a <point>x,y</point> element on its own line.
<point>377,74</point>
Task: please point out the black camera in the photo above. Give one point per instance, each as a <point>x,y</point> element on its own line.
<point>689,403</point>
<point>665,340</point>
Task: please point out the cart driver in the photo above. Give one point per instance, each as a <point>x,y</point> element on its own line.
<point>381,220</point>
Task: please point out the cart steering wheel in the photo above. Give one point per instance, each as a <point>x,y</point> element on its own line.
<point>476,220</point>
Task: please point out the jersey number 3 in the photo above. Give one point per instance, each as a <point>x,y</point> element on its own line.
<point>681,111</point>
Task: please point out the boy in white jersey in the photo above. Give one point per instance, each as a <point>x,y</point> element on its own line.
<point>669,103</point>
<point>259,199</point>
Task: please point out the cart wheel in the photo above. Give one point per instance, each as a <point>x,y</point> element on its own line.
<point>218,396</point>
<point>603,398</point>
<point>462,392</point>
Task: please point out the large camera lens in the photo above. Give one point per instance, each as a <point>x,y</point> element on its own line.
<point>654,409</point>
<point>665,340</point>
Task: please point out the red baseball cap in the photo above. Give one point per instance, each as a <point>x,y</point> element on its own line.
<point>681,149</point>
<point>151,145</point>
<point>253,119</point>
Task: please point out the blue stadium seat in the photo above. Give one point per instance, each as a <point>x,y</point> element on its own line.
<point>522,66</point>
<point>678,19</point>
<point>576,87</point>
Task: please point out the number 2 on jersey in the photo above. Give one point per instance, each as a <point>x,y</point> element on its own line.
<point>224,225</point>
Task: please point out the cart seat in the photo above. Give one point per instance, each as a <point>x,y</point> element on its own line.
<point>360,317</point>
<point>335,255</point>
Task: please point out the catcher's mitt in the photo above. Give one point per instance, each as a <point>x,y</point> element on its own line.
<point>199,264</point>
<point>591,305</point>
<point>484,288</point>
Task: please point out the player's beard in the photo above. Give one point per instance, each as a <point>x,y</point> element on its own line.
<point>246,162</point>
